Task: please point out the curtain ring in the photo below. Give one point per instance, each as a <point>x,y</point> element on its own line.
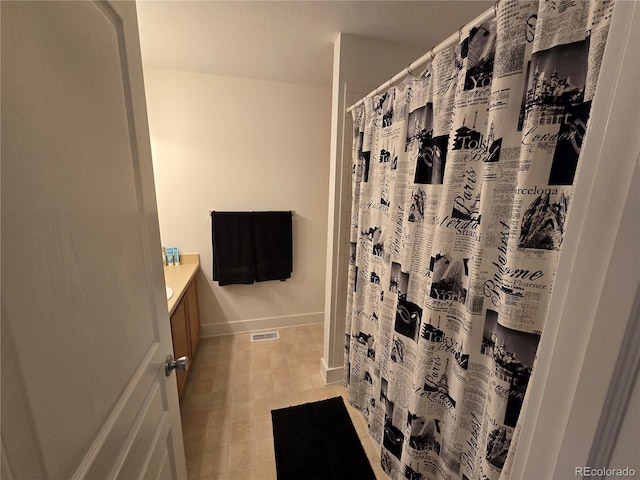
<point>460,33</point>
<point>409,71</point>
<point>432,55</point>
<point>495,8</point>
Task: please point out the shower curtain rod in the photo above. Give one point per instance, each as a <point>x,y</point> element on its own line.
<point>428,57</point>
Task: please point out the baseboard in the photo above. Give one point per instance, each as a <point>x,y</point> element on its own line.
<point>241,326</point>
<point>331,375</point>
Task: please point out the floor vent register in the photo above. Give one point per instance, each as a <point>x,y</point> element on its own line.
<point>260,337</point>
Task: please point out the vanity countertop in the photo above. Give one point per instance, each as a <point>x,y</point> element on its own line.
<point>178,277</point>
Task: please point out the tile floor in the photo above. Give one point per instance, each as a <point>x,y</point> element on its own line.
<point>232,388</point>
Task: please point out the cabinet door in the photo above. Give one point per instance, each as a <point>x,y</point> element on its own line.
<point>180,333</point>
<point>193,314</point>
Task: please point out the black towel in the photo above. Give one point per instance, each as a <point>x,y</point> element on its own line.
<point>250,246</point>
<point>272,233</point>
<point>233,247</point>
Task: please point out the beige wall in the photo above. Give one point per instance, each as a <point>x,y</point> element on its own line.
<point>226,143</point>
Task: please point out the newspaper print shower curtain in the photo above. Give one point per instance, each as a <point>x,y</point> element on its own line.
<point>462,182</point>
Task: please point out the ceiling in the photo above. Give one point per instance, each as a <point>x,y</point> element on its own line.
<point>289,41</point>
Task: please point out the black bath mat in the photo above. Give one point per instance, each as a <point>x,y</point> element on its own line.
<point>317,441</point>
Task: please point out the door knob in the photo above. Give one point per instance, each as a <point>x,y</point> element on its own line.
<point>181,364</point>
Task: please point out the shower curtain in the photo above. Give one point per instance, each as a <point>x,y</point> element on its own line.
<point>462,181</point>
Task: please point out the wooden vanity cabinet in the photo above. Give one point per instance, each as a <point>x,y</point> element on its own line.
<point>185,329</point>
<point>180,334</point>
<point>193,317</point>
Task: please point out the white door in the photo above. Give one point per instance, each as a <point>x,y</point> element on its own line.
<point>85,329</point>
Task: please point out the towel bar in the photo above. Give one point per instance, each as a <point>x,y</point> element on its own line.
<point>292,211</point>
